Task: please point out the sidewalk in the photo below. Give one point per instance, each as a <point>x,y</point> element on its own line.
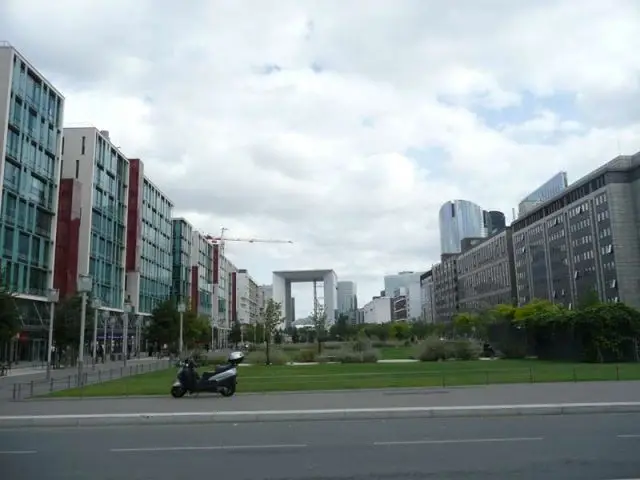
<point>37,377</point>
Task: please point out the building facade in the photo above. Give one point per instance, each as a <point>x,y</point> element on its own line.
<point>247,298</point>
<point>584,239</point>
<point>181,257</point>
<point>149,242</point>
<point>445,289</point>
<point>410,281</point>
<point>201,298</point>
<point>400,304</point>
<point>378,311</point>
<point>347,299</point>
<point>90,158</point>
<point>494,222</point>
<point>486,275</point>
<point>31,118</point>
<point>459,219</point>
<point>426,295</point>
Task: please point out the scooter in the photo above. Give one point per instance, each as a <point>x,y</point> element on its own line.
<point>222,380</point>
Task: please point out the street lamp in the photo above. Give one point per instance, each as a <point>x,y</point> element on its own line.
<point>125,330</point>
<point>96,304</point>
<point>53,296</point>
<point>181,310</point>
<point>85,285</point>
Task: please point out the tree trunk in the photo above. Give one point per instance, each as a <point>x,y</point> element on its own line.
<point>267,353</point>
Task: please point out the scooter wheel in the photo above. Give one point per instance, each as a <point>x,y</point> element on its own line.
<point>178,392</point>
<point>227,391</point>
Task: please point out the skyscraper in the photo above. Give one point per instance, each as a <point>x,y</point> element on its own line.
<point>459,219</point>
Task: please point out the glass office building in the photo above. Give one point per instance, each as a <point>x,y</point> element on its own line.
<point>156,262</point>
<point>181,253</point>
<point>459,219</point>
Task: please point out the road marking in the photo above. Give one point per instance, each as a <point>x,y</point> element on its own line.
<point>205,447</point>
<point>17,452</point>
<point>629,436</point>
<point>461,440</point>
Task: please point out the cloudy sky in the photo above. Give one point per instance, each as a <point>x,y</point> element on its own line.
<point>343,124</point>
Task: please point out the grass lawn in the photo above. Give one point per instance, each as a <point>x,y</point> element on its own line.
<point>397,353</point>
<point>354,376</point>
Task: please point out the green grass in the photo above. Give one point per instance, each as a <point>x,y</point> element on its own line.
<point>397,353</point>
<point>355,376</point>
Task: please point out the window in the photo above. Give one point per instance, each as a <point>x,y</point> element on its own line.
<point>83,147</point>
<point>77,168</point>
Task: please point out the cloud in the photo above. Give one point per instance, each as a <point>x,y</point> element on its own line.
<point>301,119</point>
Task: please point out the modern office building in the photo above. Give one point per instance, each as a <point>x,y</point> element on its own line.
<point>149,242</point>
<point>552,187</point>
<point>31,117</point>
<point>426,295</point>
<point>347,299</point>
<point>584,239</point>
<point>445,289</point>
<point>494,222</point>
<point>201,298</point>
<point>265,292</point>
<point>181,256</point>
<point>399,304</point>
<point>486,275</point>
<point>411,282</point>
<point>377,311</point>
<point>459,219</point>
<point>94,168</point>
<point>247,298</point>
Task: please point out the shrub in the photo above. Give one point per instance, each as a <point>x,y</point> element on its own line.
<point>348,356</point>
<point>432,349</point>
<point>306,355</point>
<point>370,356</point>
<point>362,344</point>
<point>466,349</point>
<point>277,357</point>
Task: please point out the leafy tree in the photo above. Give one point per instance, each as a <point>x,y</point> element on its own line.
<point>164,325</point>
<point>66,332</point>
<point>277,337</point>
<point>295,336</point>
<point>10,323</point>
<point>235,334</point>
<point>255,333</point>
<point>271,318</point>
<point>401,330</point>
<point>319,319</point>
<point>342,329</point>
<point>197,329</point>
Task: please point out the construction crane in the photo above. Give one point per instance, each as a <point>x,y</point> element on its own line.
<point>220,241</point>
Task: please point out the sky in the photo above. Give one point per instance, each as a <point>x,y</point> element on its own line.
<point>342,125</point>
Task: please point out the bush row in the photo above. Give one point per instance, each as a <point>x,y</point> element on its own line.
<point>434,349</point>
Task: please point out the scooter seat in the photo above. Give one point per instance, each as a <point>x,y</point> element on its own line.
<point>223,368</point>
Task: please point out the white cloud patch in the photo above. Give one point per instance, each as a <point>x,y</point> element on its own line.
<point>291,119</point>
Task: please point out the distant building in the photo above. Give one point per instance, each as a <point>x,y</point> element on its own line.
<point>378,310</point>
<point>411,282</point>
<point>459,219</point>
<point>347,299</point>
<point>494,222</point>
<point>426,296</point>
<point>445,289</point>
<point>399,303</point>
<point>552,187</point>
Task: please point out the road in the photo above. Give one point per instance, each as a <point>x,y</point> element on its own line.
<point>595,447</point>
<point>425,397</point>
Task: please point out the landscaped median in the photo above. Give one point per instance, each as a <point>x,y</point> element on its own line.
<point>257,378</point>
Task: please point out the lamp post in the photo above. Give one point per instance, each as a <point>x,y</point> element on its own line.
<point>52,297</point>
<point>96,304</point>
<point>125,331</point>
<point>85,285</point>
<point>181,310</point>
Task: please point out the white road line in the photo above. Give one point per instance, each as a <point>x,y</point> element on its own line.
<point>205,447</point>
<point>461,440</point>
<point>17,452</point>
<point>629,436</point>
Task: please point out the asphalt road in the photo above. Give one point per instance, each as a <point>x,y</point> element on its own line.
<point>595,447</point>
<point>425,397</point>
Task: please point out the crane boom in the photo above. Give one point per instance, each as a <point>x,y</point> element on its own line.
<point>248,240</point>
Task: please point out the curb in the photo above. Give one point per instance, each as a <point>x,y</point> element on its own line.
<point>87,420</point>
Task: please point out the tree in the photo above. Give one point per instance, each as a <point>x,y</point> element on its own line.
<point>271,318</point>
<point>277,337</point>
<point>197,329</point>
<point>10,323</point>
<point>66,333</point>
<point>164,325</point>
<point>235,334</point>
<point>319,319</point>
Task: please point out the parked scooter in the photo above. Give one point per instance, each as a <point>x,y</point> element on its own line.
<point>222,380</point>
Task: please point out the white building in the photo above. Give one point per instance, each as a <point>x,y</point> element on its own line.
<point>378,310</point>
<point>247,298</point>
<point>410,281</point>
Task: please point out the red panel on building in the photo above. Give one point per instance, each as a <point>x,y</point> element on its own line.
<point>234,309</point>
<point>134,215</point>
<point>216,264</point>
<point>65,270</point>
<point>195,291</point>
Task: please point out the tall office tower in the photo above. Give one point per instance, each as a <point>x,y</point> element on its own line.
<point>181,256</point>
<point>459,219</point>
<point>410,282</point>
<point>149,242</point>
<point>92,233</point>
<point>494,222</point>
<point>348,299</point>
<point>201,274</point>
<point>31,115</point>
